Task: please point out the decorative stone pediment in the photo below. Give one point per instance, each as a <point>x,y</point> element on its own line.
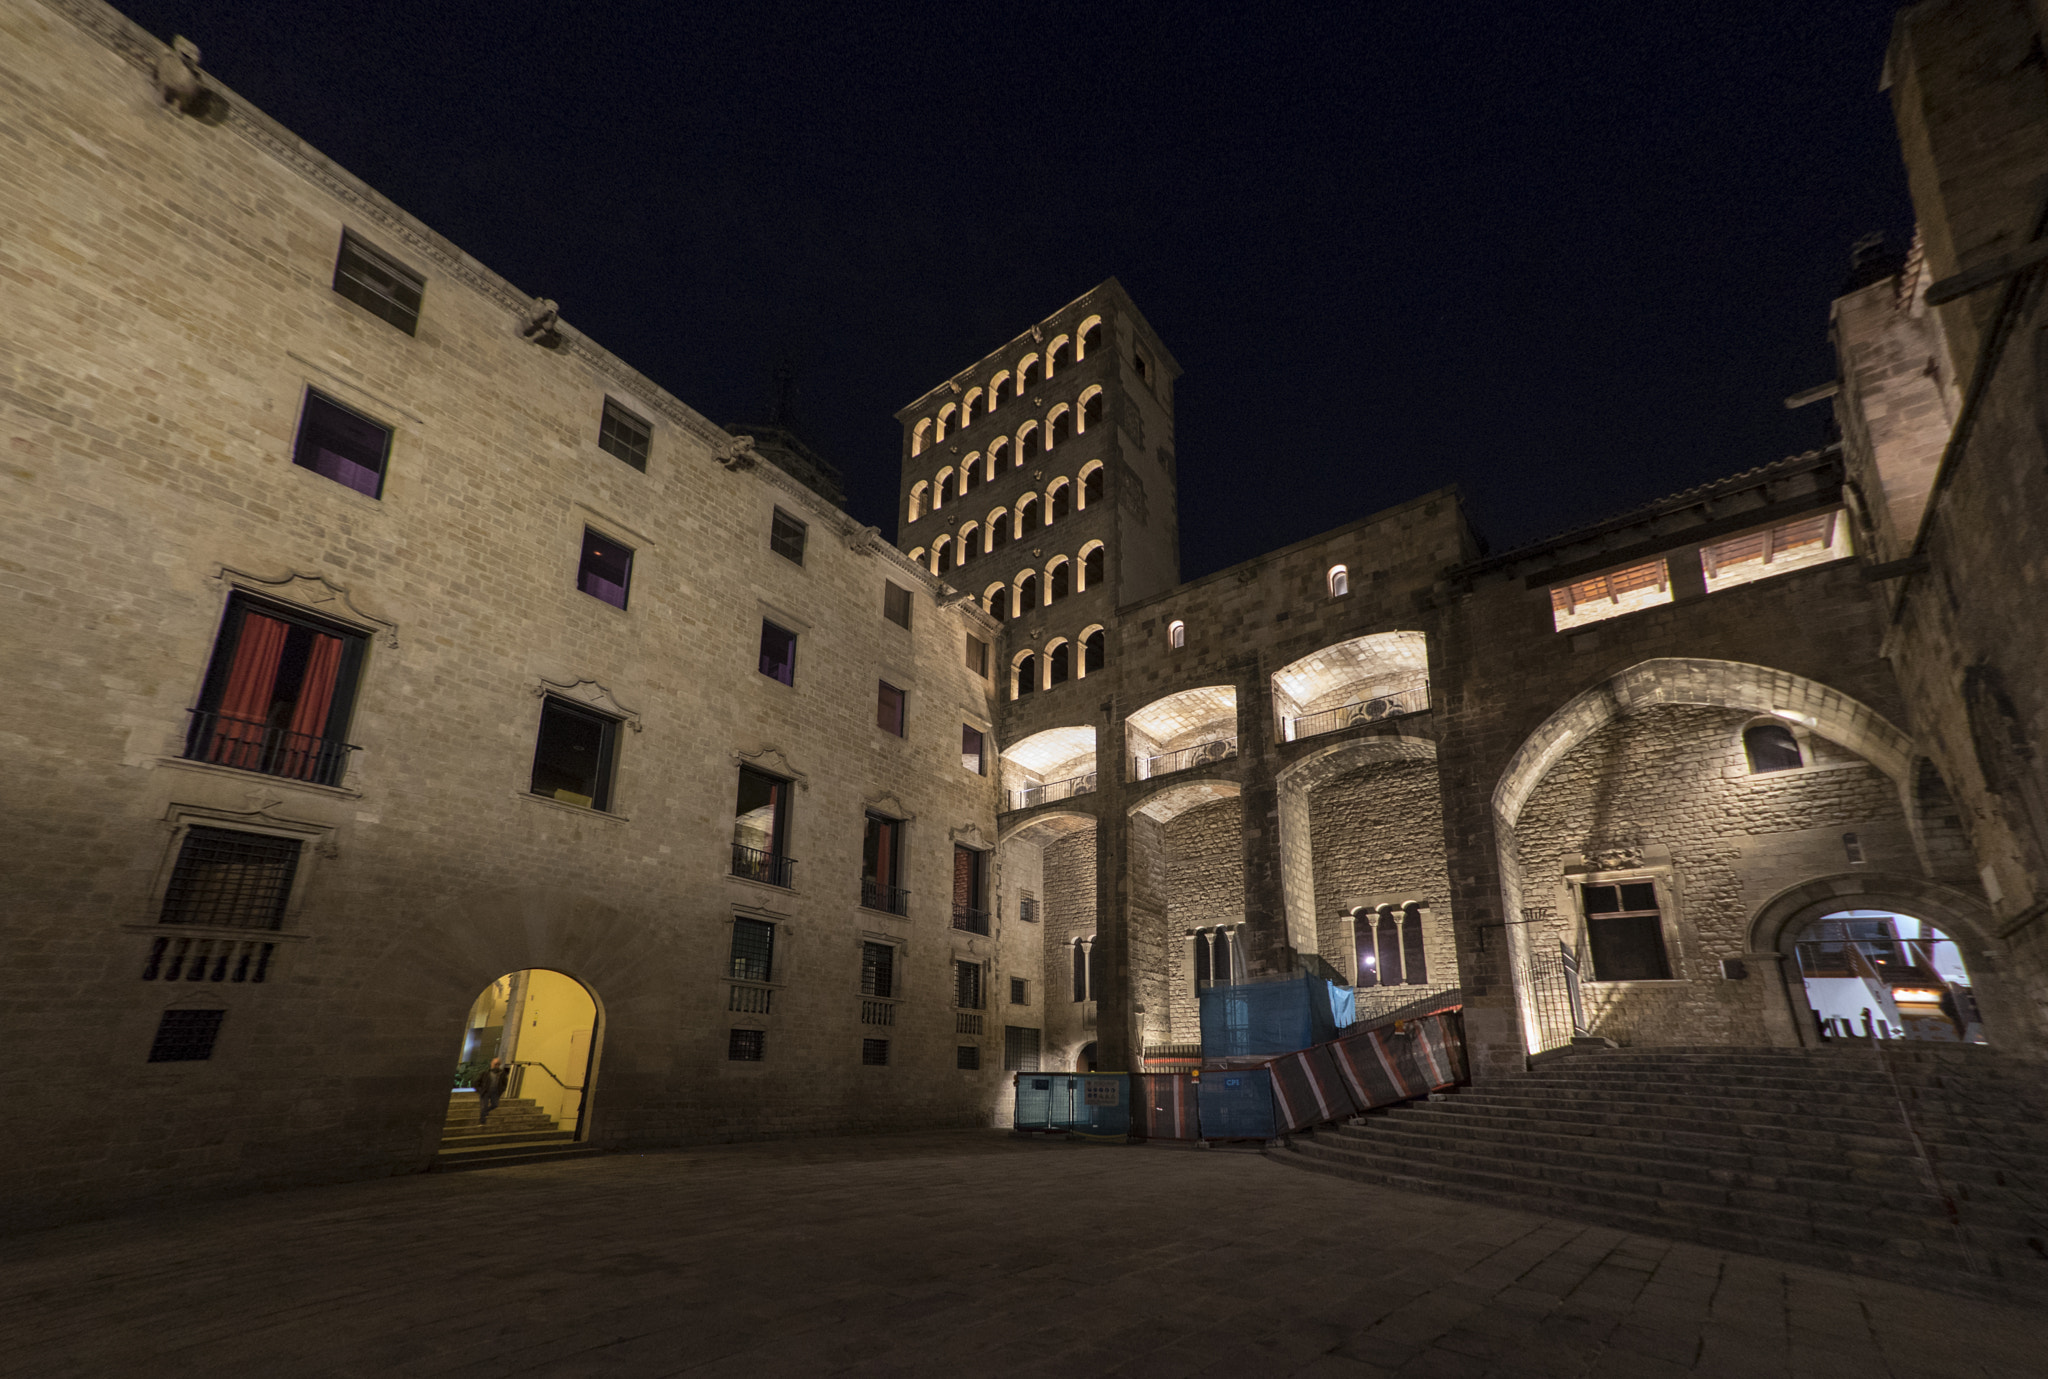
<point>588,692</point>
<point>888,804</point>
<point>774,761</point>
<point>313,592</point>
<point>972,836</point>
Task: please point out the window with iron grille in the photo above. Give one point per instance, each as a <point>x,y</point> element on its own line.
<point>746,1045</point>
<point>1625,930</point>
<point>1020,1049</point>
<point>1027,907</point>
<point>896,604</point>
<point>967,985</point>
<point>753,950</point>
<point>378,283</point>
<point>786,537</point>
<point>185,1036</point>
<point>605,570</point>
<point>967,1056</point>
<point>878,969</point>
<point>1020,992</point>
<point>573,753</point>
<point>340,443</point>
<point>277,695</point>
<point>874,1053</point>
<point>621,433</point>
<point>225,876</point>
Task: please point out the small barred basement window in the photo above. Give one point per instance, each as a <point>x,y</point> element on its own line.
<point>967,1057</point>
<point>874,1053</point>
<point>746,1045</point>
<point>186,1036</point>
<point>1020,1049</point>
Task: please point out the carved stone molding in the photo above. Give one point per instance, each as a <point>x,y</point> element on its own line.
<point>971,835</point>
<point>588,692</point>
<point>862,540</point>
<point>313,592</point>
<point>263,804</point>
<point>739,457</point>
<point>773,760</point>
<point>888,804</point>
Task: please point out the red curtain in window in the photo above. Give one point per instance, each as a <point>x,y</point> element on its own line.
<point>885,856</point>
<point>238,730</point>
<point>301,757</point>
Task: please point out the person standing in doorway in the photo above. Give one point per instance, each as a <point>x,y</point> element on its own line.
<point>490,1085</point>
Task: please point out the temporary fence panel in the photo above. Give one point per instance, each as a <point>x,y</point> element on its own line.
<point>1401,1061</point>
<point>1236,1105</point>
<point>1264,1019</point>
<point>1168,1110</point>
<point>1090,1105</point>
<point>1308,1089</point>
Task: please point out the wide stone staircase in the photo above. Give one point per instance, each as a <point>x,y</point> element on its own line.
<point>518,1132</point>
<point>1926,1163</point>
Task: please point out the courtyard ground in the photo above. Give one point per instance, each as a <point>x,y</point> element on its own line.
<point>958,1254</point>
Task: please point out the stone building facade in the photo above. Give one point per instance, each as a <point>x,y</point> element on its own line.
<point>390,637</point>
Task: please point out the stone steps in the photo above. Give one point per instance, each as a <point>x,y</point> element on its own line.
<point>518,1151</point>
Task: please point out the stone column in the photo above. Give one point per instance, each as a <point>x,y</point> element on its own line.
<point>1269,949</point>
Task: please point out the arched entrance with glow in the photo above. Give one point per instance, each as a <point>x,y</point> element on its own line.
<point>1878,974</point>
<point>543,1027</point>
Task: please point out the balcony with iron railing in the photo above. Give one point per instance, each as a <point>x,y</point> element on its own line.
<point>1371,708</point>
<point>1186,758</point>
<point>754,864</point>
<point>968,919</point>
<point>891,900</point>
<point>249,744</point>
<point>1050,791</point>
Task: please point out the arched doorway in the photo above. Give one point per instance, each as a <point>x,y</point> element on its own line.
<point>1878,974</point>
<point>542,1026</point>
<point>1084,1061</point>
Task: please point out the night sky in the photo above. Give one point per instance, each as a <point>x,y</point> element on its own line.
<point>1570,256</point>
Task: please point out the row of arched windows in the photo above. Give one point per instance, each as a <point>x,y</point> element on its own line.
<point>955,482</point>
<point>1061,661</point>
<point>1028,591</point>
<point>1033,369</point>
<point>978,537</point>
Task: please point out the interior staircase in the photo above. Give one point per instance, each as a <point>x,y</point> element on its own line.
<point>518,1132</point>
<point>1923,1163</point>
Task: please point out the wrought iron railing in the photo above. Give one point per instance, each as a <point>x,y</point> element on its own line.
<point>1053,790</point>
<point>756,865</point>
<point>1371,709</point>
<point>1201,754</point>
<point>249,744</point>
<point>1554,993</point>
<point>888,899</point>
<point>966,917</point>
<point>966,1022</point>
<point>750,1000</point>
<point>1027,909</point>
<point>207,960</point>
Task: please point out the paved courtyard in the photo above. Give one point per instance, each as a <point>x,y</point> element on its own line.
<point>966,1253</point>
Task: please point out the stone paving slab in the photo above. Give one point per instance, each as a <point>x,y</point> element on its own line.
<point>966,1253</point>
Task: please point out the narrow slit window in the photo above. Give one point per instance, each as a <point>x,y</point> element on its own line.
<point>342,444</point>
<point>606,569</point>
<point>621,433</point>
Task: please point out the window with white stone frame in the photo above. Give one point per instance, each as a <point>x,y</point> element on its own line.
<point>1626,935</point>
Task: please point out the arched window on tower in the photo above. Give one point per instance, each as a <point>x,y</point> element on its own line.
<point>1027,593</point>
<point>1091,338</point>
<point>1091,486</point>
<point>999,529</point>
<point>1059,663</point>
<point>1024,676</point>
<point>970,474</point>
<point>1062,356</point>
<point>970,544</point>
<point>998,458</point>
<point>1092,567</point>
<point>1771,747</point>
<point>1093,651</point>
<point>1027,445</point>
<point>1062,502</point>
<point>995,390</point>
<point>1027,515</point>
<point>921,437</point>
<point>945,422</point>
<point>945,477</point>
<point>996,602</point>
<point>1027,375</point>
<point>1059,580</point>
<point>1060,428</point>
<point>967,407</point>
<point>1340,581</point>
<point>942,555</point>
<point>917,493</point>
<point>1176,634</point>
<point>1091,410</point>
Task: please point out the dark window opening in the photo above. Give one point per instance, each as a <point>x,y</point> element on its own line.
<point>1415,962</point>
<point>967,985</point>
<point>760,828</point>
<point>278,695</point>
<point>1027,376</point>
<point>572,758</point>
<point>942,556</point>
<point>1062,356</point>
<point>1027,594</point>
<point>379,284</point>
<point>778,653</point>
<point>1027,517</point>
<point>889,708</point>
<point>967,1057</point>
<point>1020,1049</point>
<point>970,876</point>
<point>1091,415</point>
<point>1091,339</point>
<point>1060,429</point>
<point>1093,566</point>
<point>753,950</point>
<point>746,1045</point>
<point>1081,969</point>
<point>1625,930</point>
<point>1138,363</point>
<point>621,433</point>
<point>881,866</point>
<point>227,877</point>
<point>606,568</point>
<point>971,750</point>
<point>896,604</point>
<point>1020,993</point>
<point>342,444</point>
<point>786,537</point>
<point>186,1036</point>
<point>1061,582</point>
<point>1060,664</point>
<point>878,969</point>
<point>1062,504</point>
<point>1771,747</point>
<point>874,1053</point>
<point>1027,677</point>
<point>1093,651</point>
<point>1027,907</point>
<point>977,655</point>
<point>999,605</point>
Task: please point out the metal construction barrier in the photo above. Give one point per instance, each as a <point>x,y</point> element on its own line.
<point>1167,1109</point>
<point>1091,1106</point>
<point>1263,1019</point>
<point>1309,1089</point>
<point>1237,1104</point>
<point>1403,1059</point>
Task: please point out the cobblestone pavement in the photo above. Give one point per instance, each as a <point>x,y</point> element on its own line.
<point>967,1253</point>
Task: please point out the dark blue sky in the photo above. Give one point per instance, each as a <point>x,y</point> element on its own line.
<point>1570,256</point>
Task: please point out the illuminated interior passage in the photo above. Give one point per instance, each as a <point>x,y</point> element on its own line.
<point>1872,974</point>
<point>541,1024</point>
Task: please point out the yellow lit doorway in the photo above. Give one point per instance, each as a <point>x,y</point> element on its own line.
<point>543,1025</point>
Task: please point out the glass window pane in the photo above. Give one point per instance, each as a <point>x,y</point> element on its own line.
<point>778,653</point>
<point>570,757</point>
<point>753,949</point>
<point>1628,949</point>
<point>621,433</point>
<point>1639,895</point>
<point>606,568</point>
<point>342,444</point>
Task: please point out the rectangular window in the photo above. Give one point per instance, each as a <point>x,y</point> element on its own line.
<point>874,1053</point>
<point>881,865</point>
<point>969,878</point>
<point>967,989</point>
<point>1775,550</point>
<point>1020,1049</point>
<point>1625,930</point>
<point>277,695</point>
<point>1020,992</point>
<point>621,433</point>
<point>342,444</point>
<point>896,604</point>
<point>878,969</point>
<point>1610,595</point>
<point>226,876</point>
<point>572,757</point>
<point>760,828</point>
<point>606,568</point>
<point>778,653</point>
<point>786,537</point>
<point>746,1045</point>
<point>977,655</point>
<point>967,1057</point>
<point>889,708</point>
<point>1027,907</point>
<point>378,283</point>
<point>753,950</point>
<point>185,1036</point>
<point>971,750</point>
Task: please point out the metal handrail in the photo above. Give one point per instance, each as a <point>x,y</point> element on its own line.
<point>1370,709</point>
<point>1051,790</point>
<point>250,744</point>
<point>970,919</point>
<point>536,1063</point>
<point>1201,754</point>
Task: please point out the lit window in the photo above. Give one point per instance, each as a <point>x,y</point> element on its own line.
<point>1176,634</point>
<point>605,570</point>
<point>1771,747</point>
<point>760,829</point>
<point>1610,595</point>
<point>342,444</point>
<point>621,433</point>
<point>1340,581</point>
<point>1776,550</point>
<point>1625,930</point>
<point>277,696</point>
